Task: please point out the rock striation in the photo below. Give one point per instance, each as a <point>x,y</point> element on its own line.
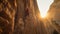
<point>54,14</point>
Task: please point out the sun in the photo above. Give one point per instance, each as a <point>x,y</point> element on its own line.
<point>43,15</point>
<point>43,6</point>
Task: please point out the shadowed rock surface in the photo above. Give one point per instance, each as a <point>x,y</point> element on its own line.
<point>7,16</point>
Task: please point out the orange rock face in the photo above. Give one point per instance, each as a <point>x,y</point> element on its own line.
<point>54,14</point>
<point>21,17</point>
<point>7,16</point>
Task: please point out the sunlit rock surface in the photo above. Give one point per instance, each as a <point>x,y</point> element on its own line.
<point>54,15</point>
<point>20,17</point>
<point>27,20</point>
<point>23,17</point>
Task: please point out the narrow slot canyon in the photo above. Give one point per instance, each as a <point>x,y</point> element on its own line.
<point>24,17</point>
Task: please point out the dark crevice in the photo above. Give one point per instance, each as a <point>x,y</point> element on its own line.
<point>55,32</point>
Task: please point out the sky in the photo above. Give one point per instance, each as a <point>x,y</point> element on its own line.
<point>43,6</point>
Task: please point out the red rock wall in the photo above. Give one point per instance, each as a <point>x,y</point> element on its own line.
<point>20,17</point>
<point>54,15</point>
<point>7,16</point>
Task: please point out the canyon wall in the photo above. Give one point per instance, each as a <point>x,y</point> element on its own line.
<point>20,17</point>
<point>23,17</point>
<point>27,20</point>
<point>54,15</point>
<point>7,16</point>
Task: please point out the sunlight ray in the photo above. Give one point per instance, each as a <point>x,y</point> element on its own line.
<point>43,6</point>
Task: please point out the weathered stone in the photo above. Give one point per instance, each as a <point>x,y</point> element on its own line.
<point>28,11</point>
<point>7,16</point>
<point>54,15</point>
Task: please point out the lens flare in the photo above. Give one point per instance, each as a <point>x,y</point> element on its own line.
<point>43,14</point>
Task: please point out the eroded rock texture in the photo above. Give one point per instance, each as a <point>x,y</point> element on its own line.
<point>7,16</point>
<point>28,18</point>
<point>20,17</point>
<point>54,15</point>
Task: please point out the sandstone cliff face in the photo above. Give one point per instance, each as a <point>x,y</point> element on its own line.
<point>27,19</point>
<point>54,14</point>
<point>7,16</point>
<point>20,17</point>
